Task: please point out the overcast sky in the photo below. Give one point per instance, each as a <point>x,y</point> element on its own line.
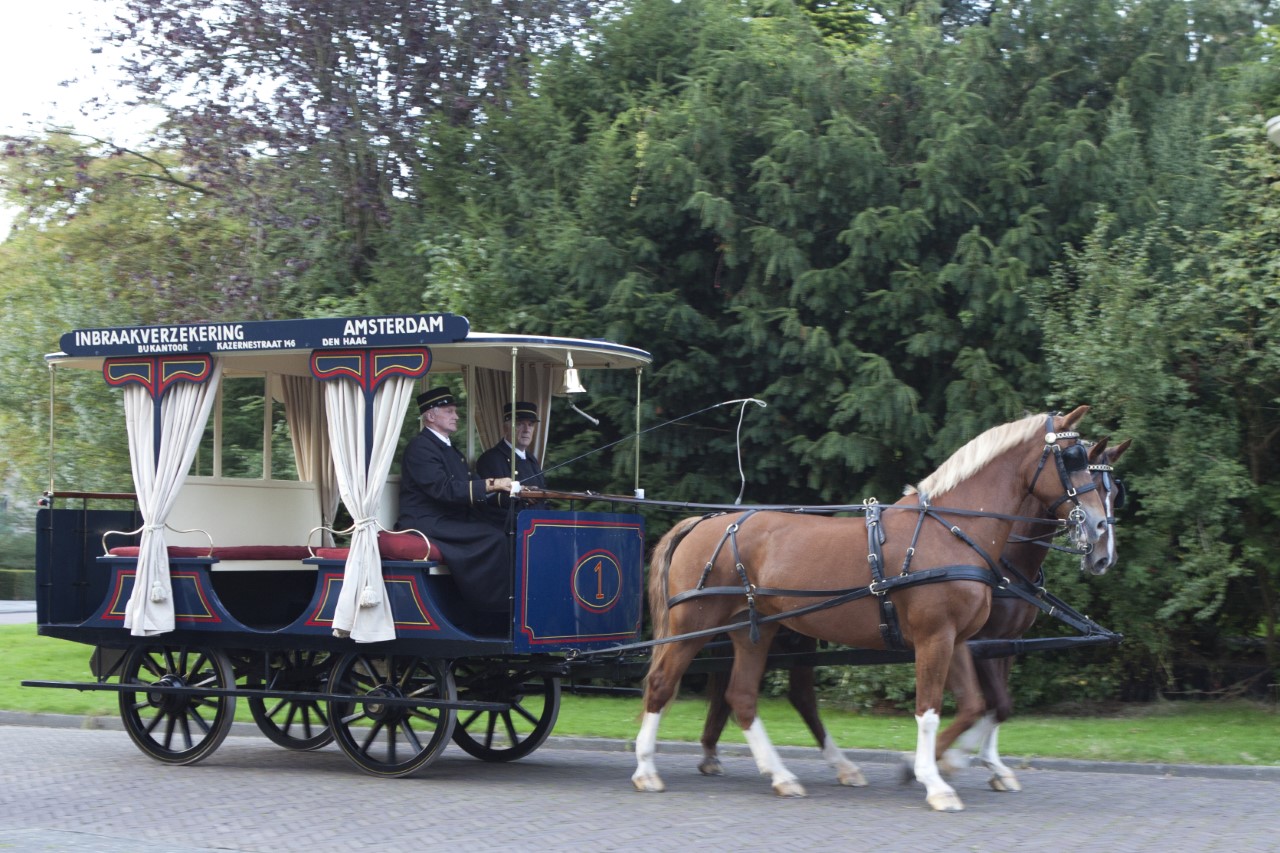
<point>49,72</point>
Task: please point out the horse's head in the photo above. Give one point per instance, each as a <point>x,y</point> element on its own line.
<point>1101,462</point>
<point>1064,484</point>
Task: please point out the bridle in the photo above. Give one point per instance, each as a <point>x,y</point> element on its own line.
<point>1113,490</point>
<point>1111,483</point>
<point>1067,460</point>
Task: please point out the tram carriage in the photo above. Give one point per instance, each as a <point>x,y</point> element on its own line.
<point>208,588</point>
<point>198,589</point>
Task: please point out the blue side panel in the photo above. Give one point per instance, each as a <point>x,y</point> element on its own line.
<point>69,582</point>
<point>419,601</point>
<point>578,583</point>
<point>195,603</point>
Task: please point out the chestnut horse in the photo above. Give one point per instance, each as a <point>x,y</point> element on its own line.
<point>938,601</point>
<point>1010,618</point>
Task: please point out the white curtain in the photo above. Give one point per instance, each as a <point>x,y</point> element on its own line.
<point>309,433</point>
<point>489,390</point>
<point>184,411</point>
<point>363,612</point>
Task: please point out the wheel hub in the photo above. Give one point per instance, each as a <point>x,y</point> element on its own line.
<point>384,713</point>
<point>168,702</point>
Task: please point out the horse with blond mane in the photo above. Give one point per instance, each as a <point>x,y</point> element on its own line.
<point>826,578</point>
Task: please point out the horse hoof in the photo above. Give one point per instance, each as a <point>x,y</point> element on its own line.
<point>711,767</point>
<point>852,778</point>
<point>790,789</point>
<point>1005,784</point>
<point>648,784</point>
<point>945,801</point>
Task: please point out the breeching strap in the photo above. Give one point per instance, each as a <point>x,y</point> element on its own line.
<point>748,589</point>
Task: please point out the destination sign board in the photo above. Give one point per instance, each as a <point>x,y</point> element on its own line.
<point>227,337</point>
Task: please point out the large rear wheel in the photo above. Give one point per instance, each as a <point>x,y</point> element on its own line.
<point>534,703</point>
<point>177,728</point>
<point>391,739</point>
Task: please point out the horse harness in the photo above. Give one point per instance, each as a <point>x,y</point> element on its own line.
<point>1066,461</point>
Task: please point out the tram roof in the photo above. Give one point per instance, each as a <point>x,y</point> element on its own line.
<point>285,346</point>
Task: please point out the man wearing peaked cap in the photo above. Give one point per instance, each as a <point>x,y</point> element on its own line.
<point>509,456</point>
<point>434,398</point>
<point>440,497</point>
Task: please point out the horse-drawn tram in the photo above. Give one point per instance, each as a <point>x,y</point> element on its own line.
<point>198,590</point>
<point>219,578</point>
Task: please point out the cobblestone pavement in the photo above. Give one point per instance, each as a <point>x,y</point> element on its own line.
<point>64,789</point>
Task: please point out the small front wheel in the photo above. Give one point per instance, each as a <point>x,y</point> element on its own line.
<point>177,728</point>
<point>298,724</point>
<point>533,701</point>
<point>391,738</point>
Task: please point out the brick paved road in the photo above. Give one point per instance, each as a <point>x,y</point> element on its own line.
<point>87,790</point>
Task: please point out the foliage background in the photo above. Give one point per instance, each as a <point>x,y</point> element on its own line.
<point>898,223</point>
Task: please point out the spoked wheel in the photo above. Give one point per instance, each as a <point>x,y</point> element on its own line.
<point>177,728</point>
<point>300,724</point>
<point>391,739</point>
<point>514,733</point>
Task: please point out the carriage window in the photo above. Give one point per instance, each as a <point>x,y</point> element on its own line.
<point>240,417</point>
<point>233,443</point>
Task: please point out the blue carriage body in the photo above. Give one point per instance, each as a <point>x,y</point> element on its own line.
<point>577,580</point>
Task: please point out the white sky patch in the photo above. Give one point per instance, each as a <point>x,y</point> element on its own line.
<point>55,66</point>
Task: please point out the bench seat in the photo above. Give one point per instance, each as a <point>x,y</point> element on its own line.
<point>391,546</point>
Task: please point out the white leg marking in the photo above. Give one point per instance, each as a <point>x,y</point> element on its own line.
<point>938,794</point>
<point>846,771</point>
<point>767,759</point>
<point>972,740</point>
<point>1003,779</point>
<point>968,745</point>
<point>646,776</point>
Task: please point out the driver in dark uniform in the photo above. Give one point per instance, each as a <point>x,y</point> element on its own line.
<point>441,497</point>
<point>496,462</point>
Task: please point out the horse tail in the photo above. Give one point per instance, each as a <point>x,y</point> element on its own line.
<point>659,575</point>
<point>659,582</point>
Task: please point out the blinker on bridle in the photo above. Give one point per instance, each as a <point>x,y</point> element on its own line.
<point>1068,460</point>
<point>1113,486</point>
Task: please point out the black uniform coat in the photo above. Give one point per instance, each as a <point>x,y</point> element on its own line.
<point>496,462</point>
<point>440,497</point>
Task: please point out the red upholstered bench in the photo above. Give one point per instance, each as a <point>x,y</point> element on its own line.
<point>226,552</point>
<point>392,546</point>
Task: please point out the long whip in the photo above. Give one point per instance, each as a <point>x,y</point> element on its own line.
<point>744,401</point>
